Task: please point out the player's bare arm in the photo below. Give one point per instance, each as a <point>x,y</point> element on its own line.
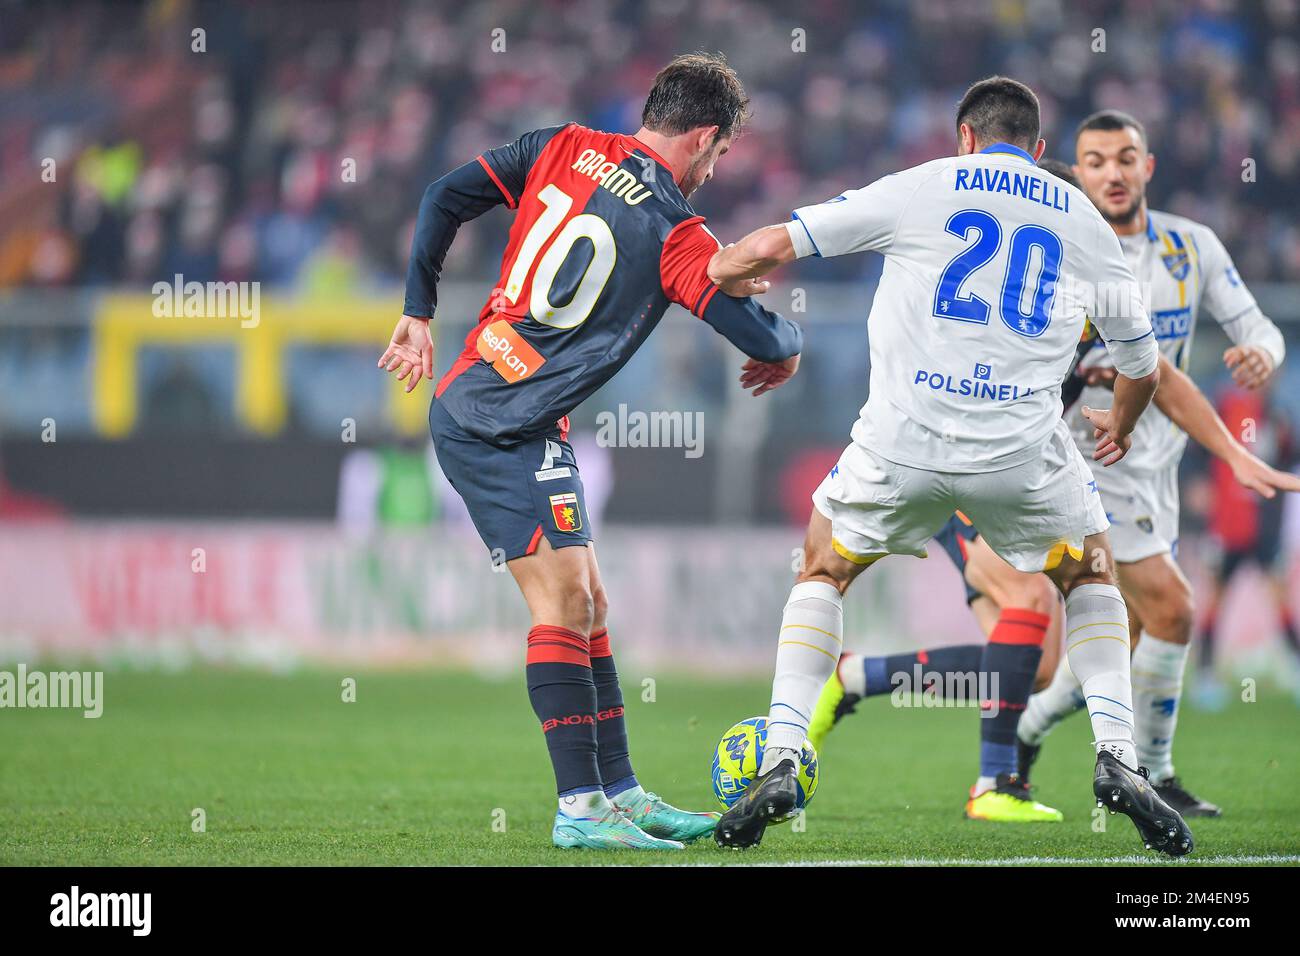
<point>1189,409</point>
<point>1115,425</point>
<point>741,288</point>
<point>756,255</point>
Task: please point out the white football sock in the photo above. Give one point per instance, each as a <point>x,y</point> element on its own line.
<point>1051,705</point>
<point>1097,642</point>
<point>774,755</point>
<point>1157,686</point>
<point>806,654</point>
<point>586,804</point>
<point>853,674</point>
<point>631,797</point>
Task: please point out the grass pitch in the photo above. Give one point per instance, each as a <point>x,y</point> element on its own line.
<point>440,768</point>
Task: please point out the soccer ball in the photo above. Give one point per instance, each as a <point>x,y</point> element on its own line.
<point>740,754</point>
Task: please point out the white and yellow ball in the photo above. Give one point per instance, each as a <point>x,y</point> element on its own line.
<point>740,754</point>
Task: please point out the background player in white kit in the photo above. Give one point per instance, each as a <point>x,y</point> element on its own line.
<point>1184,271</point>
<point>989,265</point>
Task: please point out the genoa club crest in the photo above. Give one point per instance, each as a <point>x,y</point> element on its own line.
<point>564,509</point>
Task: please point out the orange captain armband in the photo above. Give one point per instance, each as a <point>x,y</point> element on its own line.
<point>506,351</point>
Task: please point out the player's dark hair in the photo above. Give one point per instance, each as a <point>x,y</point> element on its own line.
<point>694,90</point>
<point>1060,170</point>
<point>1113,120</point>
<point>1001,110</point>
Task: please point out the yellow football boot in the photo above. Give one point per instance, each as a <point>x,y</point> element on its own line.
<point>833,704</point>
<point>1010,802</point>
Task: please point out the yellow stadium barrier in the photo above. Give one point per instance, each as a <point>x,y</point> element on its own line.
<point>126,323</point>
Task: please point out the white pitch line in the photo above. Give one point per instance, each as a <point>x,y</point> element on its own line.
<point>1226,860</point>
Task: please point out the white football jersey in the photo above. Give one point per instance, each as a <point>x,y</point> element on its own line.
<point>1182,268</point>
<point>991,265</point>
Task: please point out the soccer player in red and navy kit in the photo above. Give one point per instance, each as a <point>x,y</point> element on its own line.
<point>603,241</point>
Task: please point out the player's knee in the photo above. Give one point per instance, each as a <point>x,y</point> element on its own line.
<point>574,606</point>
<point>1081,574</point>
<point>1170,615</point>
<point>599,607</point>
<point>1033,593</point>
<point>580,608</point>
<point>1095,566</point>
<point>828,570</point>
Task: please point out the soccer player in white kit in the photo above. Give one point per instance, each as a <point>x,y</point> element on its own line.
<point>1184,272</point>
<point>990,268</point>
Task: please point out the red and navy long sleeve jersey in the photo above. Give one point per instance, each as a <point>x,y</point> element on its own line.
<point>603,241</point>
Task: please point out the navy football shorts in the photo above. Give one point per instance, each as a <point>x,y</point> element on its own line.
<point>1264,552</point>
<point>952,537</point>
<point>514,495</point>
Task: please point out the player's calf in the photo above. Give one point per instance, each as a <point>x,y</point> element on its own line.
<point>1161,595</point>
<point>808,648</point>
<point>563,695</point>
<point>1163,600</point>
<point>611,728</point>
<point>1007,667</point>
<point>1097,643</point>
<point>809,642</point>
<point>1046,708</point>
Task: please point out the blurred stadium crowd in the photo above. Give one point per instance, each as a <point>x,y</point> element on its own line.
<point>288,143</point>
<point>229,163</point>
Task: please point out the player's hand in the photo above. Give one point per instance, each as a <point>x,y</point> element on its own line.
<point>1259,477</point>
<point>765,376</point>
<point>410,351</point>
<point>741,288</point>
<point>1250,365</point>
<point>1096,375</point>
<point>722,272</point>
<point>1111,446</point>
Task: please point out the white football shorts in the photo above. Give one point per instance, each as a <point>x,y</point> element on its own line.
<point>1143,510</point>
<point>1030,513</point>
